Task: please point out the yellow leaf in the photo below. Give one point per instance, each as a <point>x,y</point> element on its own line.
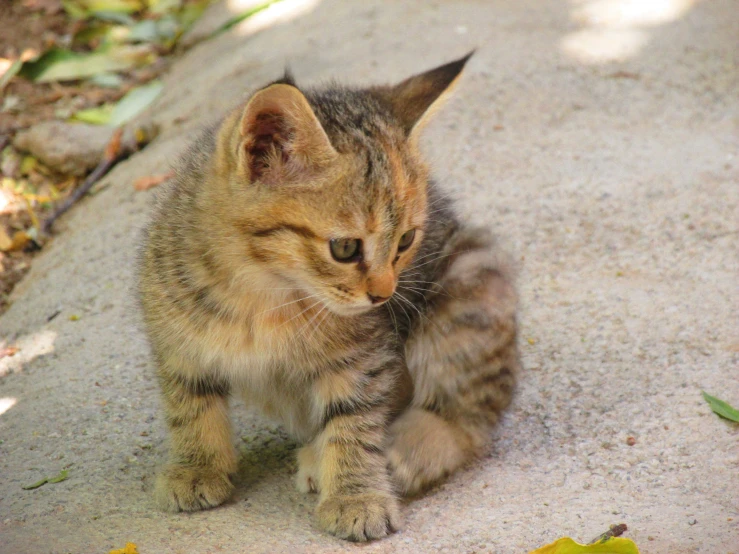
<point>615,545</point>
<point>130,548</point>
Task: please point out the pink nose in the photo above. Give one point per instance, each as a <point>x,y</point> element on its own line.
<point>377,299</point>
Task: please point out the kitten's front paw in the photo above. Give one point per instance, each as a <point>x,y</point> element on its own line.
<point>185,489</point>
<point>361,517</point>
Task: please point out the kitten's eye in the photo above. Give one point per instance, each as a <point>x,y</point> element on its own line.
<point>346,250</point>
<point>406,240</point>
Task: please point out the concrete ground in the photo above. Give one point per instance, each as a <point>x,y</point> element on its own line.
<point>599,137</point>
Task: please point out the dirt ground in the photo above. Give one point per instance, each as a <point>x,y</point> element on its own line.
<point>598,138</point>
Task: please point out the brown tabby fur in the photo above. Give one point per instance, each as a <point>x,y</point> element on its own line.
<point>241,295</point>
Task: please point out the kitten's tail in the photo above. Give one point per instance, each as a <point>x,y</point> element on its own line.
<point>463,358</point>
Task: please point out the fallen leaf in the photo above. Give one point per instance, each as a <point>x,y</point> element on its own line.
<point>115,115</point>
<point>130,548</point>
<point>86,8</point>
<point>8,351</point>
<point>615,545</point>
<point>150,181</point>
<point>164,6</point>
<point>8,70</point>
<point>64,65</point>
<point>722,408</point>
<point>135,102</point>
<point>62,476</point>
<point>107,80</point>
<point>18,242</point>
<point>242,16</point>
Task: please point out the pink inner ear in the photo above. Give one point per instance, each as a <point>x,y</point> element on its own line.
<point>270,141</point>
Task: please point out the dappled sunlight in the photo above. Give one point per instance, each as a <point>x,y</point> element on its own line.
<point>277,12</point>
<point>29,347</point>
<point>6,404</point>
<point>616,30</point>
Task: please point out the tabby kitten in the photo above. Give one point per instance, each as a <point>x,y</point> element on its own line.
<point>303,259</point>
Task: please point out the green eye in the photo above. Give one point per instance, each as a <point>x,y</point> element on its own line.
<point>346,250</point>
<point>406,240</point>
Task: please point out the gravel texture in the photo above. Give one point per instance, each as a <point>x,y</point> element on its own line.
<point>612,172</point>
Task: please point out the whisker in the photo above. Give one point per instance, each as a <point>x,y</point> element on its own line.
<point>440,257</point>
<point>318,325</point>
<point>298,315</point>
<point>287,304</point>
<point>395,321</point>
<point>309,323</point>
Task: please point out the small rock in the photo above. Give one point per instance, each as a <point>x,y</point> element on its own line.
<point>692,521</point>
<point>70,148</point>
<point>631,441</point>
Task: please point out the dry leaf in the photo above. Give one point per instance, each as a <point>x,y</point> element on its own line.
<point>130,548</point>
<point>150,181</point>
<point>8,351</point>
<point>614,545</point>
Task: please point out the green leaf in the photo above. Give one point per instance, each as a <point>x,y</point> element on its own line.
<point>97,116</point>
<point>35,485</point>
<point>107,80</point>
<point>144,31</point>
<point>62,476</point>
<point>149,30</point>
<point>722,408</point>
<point>615,545</point>
<point>63,65</point>
<point>242,16</point>
<point>135,102</point>
<point>114,17</point>
<point>191,12</point>
<point>11,72</point>
<point>164,6</point>
<point>102,9</point>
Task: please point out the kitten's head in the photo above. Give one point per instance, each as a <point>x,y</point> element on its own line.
<point>326,187</point>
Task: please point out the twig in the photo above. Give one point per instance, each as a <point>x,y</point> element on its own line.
<point>614,531</point>
<point>113,152</point>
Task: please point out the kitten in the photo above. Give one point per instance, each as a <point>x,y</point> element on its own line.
<point>303,259</point>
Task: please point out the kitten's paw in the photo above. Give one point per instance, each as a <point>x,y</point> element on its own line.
<point>425,450</point>
<point>361,517</point>
<point>184,489</point>
<point>307,476</point>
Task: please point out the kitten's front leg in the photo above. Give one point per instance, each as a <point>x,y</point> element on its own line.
<point>202,456</point>
<point>357,499</point>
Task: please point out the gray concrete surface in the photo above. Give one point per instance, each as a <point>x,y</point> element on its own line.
<point>601,141</point>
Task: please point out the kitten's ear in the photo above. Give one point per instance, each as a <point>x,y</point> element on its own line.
<point>282,141</point>
<point>416,99</point>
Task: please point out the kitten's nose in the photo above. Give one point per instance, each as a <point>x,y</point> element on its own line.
<point>377,299</point>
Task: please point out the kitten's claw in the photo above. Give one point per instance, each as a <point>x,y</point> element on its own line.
<point>362,517</point>
<point>307,476</point>
<point>184,489</point>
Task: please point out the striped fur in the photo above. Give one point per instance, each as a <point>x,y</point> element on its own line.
<point>241,295</point>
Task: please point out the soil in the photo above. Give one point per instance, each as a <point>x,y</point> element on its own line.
<point>27,28</point>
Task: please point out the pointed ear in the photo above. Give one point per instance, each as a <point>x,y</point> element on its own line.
<point>282,141</point>
<point>417,98</point>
